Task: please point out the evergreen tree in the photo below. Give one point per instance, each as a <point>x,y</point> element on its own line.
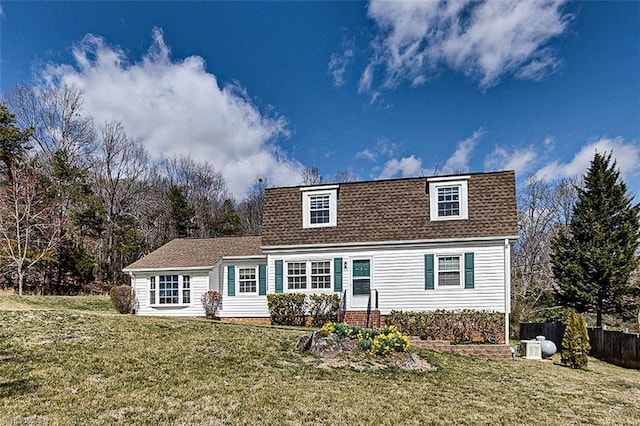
<point>575,342</point>
<point>593,261</point>
<point>181,214</point>
<point>13,141</point>
<point>227,221</point>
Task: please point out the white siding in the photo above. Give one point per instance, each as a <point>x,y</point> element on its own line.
<point>397,274</point>
<point>199,283</point>
<point>242,305</point>
<point>399,278</point>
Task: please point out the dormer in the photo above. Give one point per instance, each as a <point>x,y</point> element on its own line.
<point>449,198</point>
<point>319,206</point>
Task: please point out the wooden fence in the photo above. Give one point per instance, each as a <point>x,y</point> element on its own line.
<point>615,347</point>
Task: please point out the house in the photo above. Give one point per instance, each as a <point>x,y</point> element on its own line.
<point>414,244</point>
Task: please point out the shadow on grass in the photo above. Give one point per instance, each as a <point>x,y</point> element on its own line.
<point>16,387</point>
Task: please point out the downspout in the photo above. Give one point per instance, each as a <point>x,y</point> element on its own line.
<point>133,286</point>
<point>507,288</point>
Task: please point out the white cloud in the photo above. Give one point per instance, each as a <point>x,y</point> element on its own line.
<point>459,161</point>
<point>382,148</point>
<point>404,167</point>
<point>484,40</point>
<point>339,63</point>
<point>177,108</point>
<point>626,155</point>
<point>521,160</point>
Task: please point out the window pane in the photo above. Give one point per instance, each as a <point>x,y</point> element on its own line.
<point>449,201</point>
<point>321,274</point>
<point>152,290</point>
<point>247,280</point>
<point>168,287</point>
<point>296,275</point>
<point>186,289</point>
<point>449,270</point>
<point>361,286</point>
<point>319,209</point>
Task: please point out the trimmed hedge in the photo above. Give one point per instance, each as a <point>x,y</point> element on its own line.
<point>293,308</point>
<point>455,326</point>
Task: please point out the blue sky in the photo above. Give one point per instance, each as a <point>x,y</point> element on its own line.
<point>382,89</point>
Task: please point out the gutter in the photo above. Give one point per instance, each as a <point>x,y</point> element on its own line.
<point>386,244</point>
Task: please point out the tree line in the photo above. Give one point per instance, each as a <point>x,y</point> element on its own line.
<point>578,248</point>
<point>79,201</point>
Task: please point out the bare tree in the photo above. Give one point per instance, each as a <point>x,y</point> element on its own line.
<point>56,115</point>
<point>345,176</point>
<point>121,174</point>
<point>250,209</point>
<point>30,228</point>
<point>311,176</point>
<point>543,208</point>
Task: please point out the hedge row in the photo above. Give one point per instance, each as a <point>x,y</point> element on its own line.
<point>455,326</point>
<point>293,308</point>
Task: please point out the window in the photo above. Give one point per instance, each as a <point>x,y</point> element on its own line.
<point>169,290</point>
<point>449,201</point>
<point>319,209</point>
<point>247,280</point>
<point>296,275</point>
<point>321,274</point>
<point>361,277</point>
<point>449,271</point>
<point>309,274</point>
<point>319,206</point>
<point>186,289</point>
<point>152,290</point>
<point>448,198</point>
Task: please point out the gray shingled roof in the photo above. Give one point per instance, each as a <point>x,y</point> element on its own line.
<point>393,210</point>
<point>195,253</point>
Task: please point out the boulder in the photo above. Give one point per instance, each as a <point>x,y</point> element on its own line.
<point>304,343</point>
<point>327,347</point>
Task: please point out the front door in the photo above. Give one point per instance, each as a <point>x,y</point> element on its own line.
<point>360,283</point>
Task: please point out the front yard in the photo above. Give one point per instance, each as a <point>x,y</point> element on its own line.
<point>73,361</point>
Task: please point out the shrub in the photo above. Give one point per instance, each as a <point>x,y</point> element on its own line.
<point>456,327</point>
<point>575,342</point>
<point>211,300</point>
<point>323,308</point>
<point>287,308</point>
<point>122,297</point>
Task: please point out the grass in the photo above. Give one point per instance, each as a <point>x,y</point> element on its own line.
<point>71,361</point>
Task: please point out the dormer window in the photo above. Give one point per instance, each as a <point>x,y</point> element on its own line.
<point>319,206</point>
<point>449,198</point>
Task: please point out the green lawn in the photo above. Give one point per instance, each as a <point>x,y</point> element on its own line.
<point>70,361</point>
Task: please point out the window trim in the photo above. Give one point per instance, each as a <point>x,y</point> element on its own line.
<point>308,275</point>
<point>460,270</point>
<point>460,182</point>
<point>307,193</point>
<point>255,279</point>
<point>354,278</point>
<point>153,283</point>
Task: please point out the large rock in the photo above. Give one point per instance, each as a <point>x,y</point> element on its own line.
<point>327,347</point>
<point>304,343</point>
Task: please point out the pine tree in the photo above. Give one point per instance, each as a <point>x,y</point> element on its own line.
<point>181,213</point>
<point>575,342</point>
<point>593,262</point>
<point>14,142</point>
